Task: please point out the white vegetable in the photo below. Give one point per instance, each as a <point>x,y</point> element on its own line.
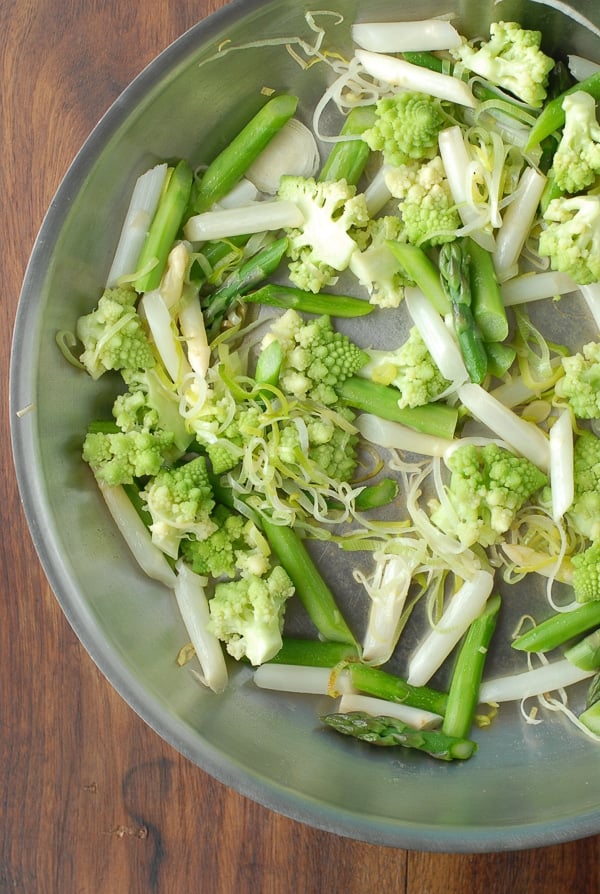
<point>254,218</point>
<point>171,284</point>
<point>404,74</point>
<point>561,465</point>
<point>458,168</point>
<point>524,437</point>
<point>438,339</point>
<point>296,678</point>
<point>516,223</point>
<point>417,718</point>
<point>136,535</point>
<point>464,606</point>
<point>377,193</point>
<point>582,68</point>
<point>535,287</point>
<point>142,206</point>
<point>402,37</point>
<point>591,293</point>
<point>193,605</point>
<point>243,193</point>
<point>399,437</point>
<point>161,325</point>
<point>547,678</point>
<point>193,330</point>
<point>293,150</point>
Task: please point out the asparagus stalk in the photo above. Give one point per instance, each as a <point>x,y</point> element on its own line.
<point>164,228</point>
<point>463,695</point>
<point>381,684</point>
<point>552,116</point>
<point>423,272</point>
<point>455,275</point>
<point>559,628</point>
<point>314,653</point>
<point>586,653</point>
<point>486,299</point>
<point>348,158</point>
<point>375,495</point>
<point>308,302</point>
<point>230,165</point>
<point>435,419</point>
<point>387,731</point>
<point>590,717</point>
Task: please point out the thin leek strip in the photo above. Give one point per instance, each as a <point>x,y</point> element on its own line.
<point>192,602</point>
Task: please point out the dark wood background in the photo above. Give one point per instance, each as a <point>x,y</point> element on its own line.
<point>91,800</point>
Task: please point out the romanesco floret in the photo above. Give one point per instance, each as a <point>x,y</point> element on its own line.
<point>180,501</point>
<point>580,384</point>
<point>375,266</point>
<point>571,238</point>
<point>119,457</point>
<point>248,614</point>
<point>510,59</point>
<point>227,451</point>
<point>488,486</point>
<point>316,357</point>
<point>331,447</point>
<point>586,574</point>
<point>411,369</point>
<point>406,127</point>
<point>150,404</point>
<point>584,512</point>
<point>112,335</point>
<point>235,547</point>
<point>322,246</point>
<point>576,162</point>
<point>427,207</point>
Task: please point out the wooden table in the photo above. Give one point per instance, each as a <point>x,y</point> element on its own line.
<point>91,800</point>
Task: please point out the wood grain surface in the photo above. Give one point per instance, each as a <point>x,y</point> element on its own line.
<point>91,800</point>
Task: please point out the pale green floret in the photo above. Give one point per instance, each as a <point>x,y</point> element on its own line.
<point>510,59</point>
<point>375,266</point>
<point>151,405</point>
<point>571,238</point>
<point>580,384</point>
<point>226,452</point>
<point>316,357</point>
<point>247,614</point>
<point>180,502</point>
<point>406,127</point>
<point>119,457</point>
<point>576,162</point>
<point>488,486</point>
<point>112,335</point>
<point>584,513</point>
<point>427,207</point>
<point>322,246</point>
<point>411,369</point>
<point>236,546</point>
<point>330,447</point>
<point>586,574</point>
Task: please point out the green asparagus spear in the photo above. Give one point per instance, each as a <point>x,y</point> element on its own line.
<point>591,715</point>
<point>559,628</point>
<point>348,158</point>
<point>381,684</point>
<point>486,300</point>
<point>388,731</point>
<point>314,653</point>
<point>375,495</point>
<point>436,419</point>
<point>552,116</point>
<point>421,271</point>
<point>586,653</point>
<point>309,302</point>
<point>463,695</point>
<point>500,357</point>
<point>231,164</point>
<point>164,228</point>
<point>268,364</point>
<point>455,275</point>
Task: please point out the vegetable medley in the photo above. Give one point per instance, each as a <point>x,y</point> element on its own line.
<point>461,188</point>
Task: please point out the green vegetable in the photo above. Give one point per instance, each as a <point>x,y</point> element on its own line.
<point>422,271</point>
<point>576,162</point>
<point>289,297</point>
<point>586,574</point>
<point>425,59</point>
<point>552,116</point>
<point>112,335</point>
<point>584,513</point>
<point>486,299</point>
<point>118,458</point>
<point>559,628</point>
<point>406,127</point>
<point>586,653</point>
<point>376,495</point>
<point>234,547</point>
<point>381,684</point>
<point>427,206</point>
<point>314,653</point>
<point>411,369</point>
<point>511,59</point>
<point>580,384</point>
<point>463,695</point>
<point>322,246</point>
<point>311,589</point>
<point>571,237</point>
<point>348,158</point>
<point>382,400</point>
<point>375,266</point>
<point>164,228</point>
<point>247,614</point>
<point>150,404</point>
<point>388,731</point>
<point>455,267</point>
<point>229,166</point>
<point>488,485</point>
<point>591,716</point>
